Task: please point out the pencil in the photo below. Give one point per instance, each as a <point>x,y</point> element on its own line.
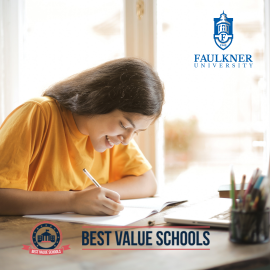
<point>241,193</point>
<point>232,189</point>
<point>91,178</point>
<point>234,192</point>
<point>250,184</point>
<point>242,187</point>
<point>232,195</point>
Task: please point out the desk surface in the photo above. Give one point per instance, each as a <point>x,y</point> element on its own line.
<point>15,232</point>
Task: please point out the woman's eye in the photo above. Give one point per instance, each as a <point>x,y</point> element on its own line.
<point>122,125</point>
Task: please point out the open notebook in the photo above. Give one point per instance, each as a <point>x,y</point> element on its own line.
<point>134,210</point>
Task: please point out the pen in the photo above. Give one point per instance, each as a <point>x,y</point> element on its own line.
<point>91,178</point>
<point>255,203</point>
<point>255,191</point>
<point>257,177</point>
<point>251,183</point>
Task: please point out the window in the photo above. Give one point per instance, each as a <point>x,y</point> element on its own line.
<point>64,37</point>
<point>218,117</point>
<point>214,117</point>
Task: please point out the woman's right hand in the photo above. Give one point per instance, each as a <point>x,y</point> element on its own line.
<point>96,202</point>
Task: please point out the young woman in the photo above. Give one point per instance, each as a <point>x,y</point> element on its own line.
<point>86,121</point>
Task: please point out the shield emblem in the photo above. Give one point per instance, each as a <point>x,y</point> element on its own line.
<point>223,31</point>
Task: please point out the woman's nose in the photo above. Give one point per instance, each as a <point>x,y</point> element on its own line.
<point>126,138</point>
<point>121,138</point>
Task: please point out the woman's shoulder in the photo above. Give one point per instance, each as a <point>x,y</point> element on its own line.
<point>43,102</point>
<point>34,109</point>
<point>46,104</point>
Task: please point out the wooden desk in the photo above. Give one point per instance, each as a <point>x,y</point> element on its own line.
<point>15,232</point>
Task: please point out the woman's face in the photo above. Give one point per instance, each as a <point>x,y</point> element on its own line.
<point>107,130</point>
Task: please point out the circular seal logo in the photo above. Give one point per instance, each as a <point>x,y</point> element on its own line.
<point>46,235</point>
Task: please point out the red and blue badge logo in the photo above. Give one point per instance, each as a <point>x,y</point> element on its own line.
<point>46,238</point>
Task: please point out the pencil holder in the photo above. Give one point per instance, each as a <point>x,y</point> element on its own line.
<point>251,227</point>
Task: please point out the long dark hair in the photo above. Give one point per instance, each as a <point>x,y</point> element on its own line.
<point>127,84</point>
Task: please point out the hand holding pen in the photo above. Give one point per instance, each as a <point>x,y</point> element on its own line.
<point>98,201</point>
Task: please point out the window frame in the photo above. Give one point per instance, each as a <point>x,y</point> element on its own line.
<point>11,53</point>
<point>141,42</point>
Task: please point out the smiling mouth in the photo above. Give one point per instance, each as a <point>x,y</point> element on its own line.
<point>108,140</point>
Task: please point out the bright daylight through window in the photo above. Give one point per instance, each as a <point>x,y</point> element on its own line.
<point>213,117</point>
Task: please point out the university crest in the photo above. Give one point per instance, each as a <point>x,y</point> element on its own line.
<point>223,34</point>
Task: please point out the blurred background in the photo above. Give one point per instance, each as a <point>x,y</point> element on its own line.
<point>212,117</point>
<point>64,37</point>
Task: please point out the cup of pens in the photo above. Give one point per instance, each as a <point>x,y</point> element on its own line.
<point>249,217</point>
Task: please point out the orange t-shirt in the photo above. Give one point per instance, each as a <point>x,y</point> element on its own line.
<point>42,149</point>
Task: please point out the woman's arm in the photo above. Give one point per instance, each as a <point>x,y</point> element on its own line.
<point>133,187</point>
<point>98,201</point>
<point>20,202</point>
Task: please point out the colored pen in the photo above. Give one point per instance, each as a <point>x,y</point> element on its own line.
<point>256,189</point>
<point>251,182</point>
<point>91,178</point>
<point>255,203</point>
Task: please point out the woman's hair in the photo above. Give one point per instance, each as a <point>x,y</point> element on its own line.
<point>127,84</point>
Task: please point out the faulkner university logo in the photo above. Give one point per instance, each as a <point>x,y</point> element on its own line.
<point>223,36</point>
<point>223,31</point>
